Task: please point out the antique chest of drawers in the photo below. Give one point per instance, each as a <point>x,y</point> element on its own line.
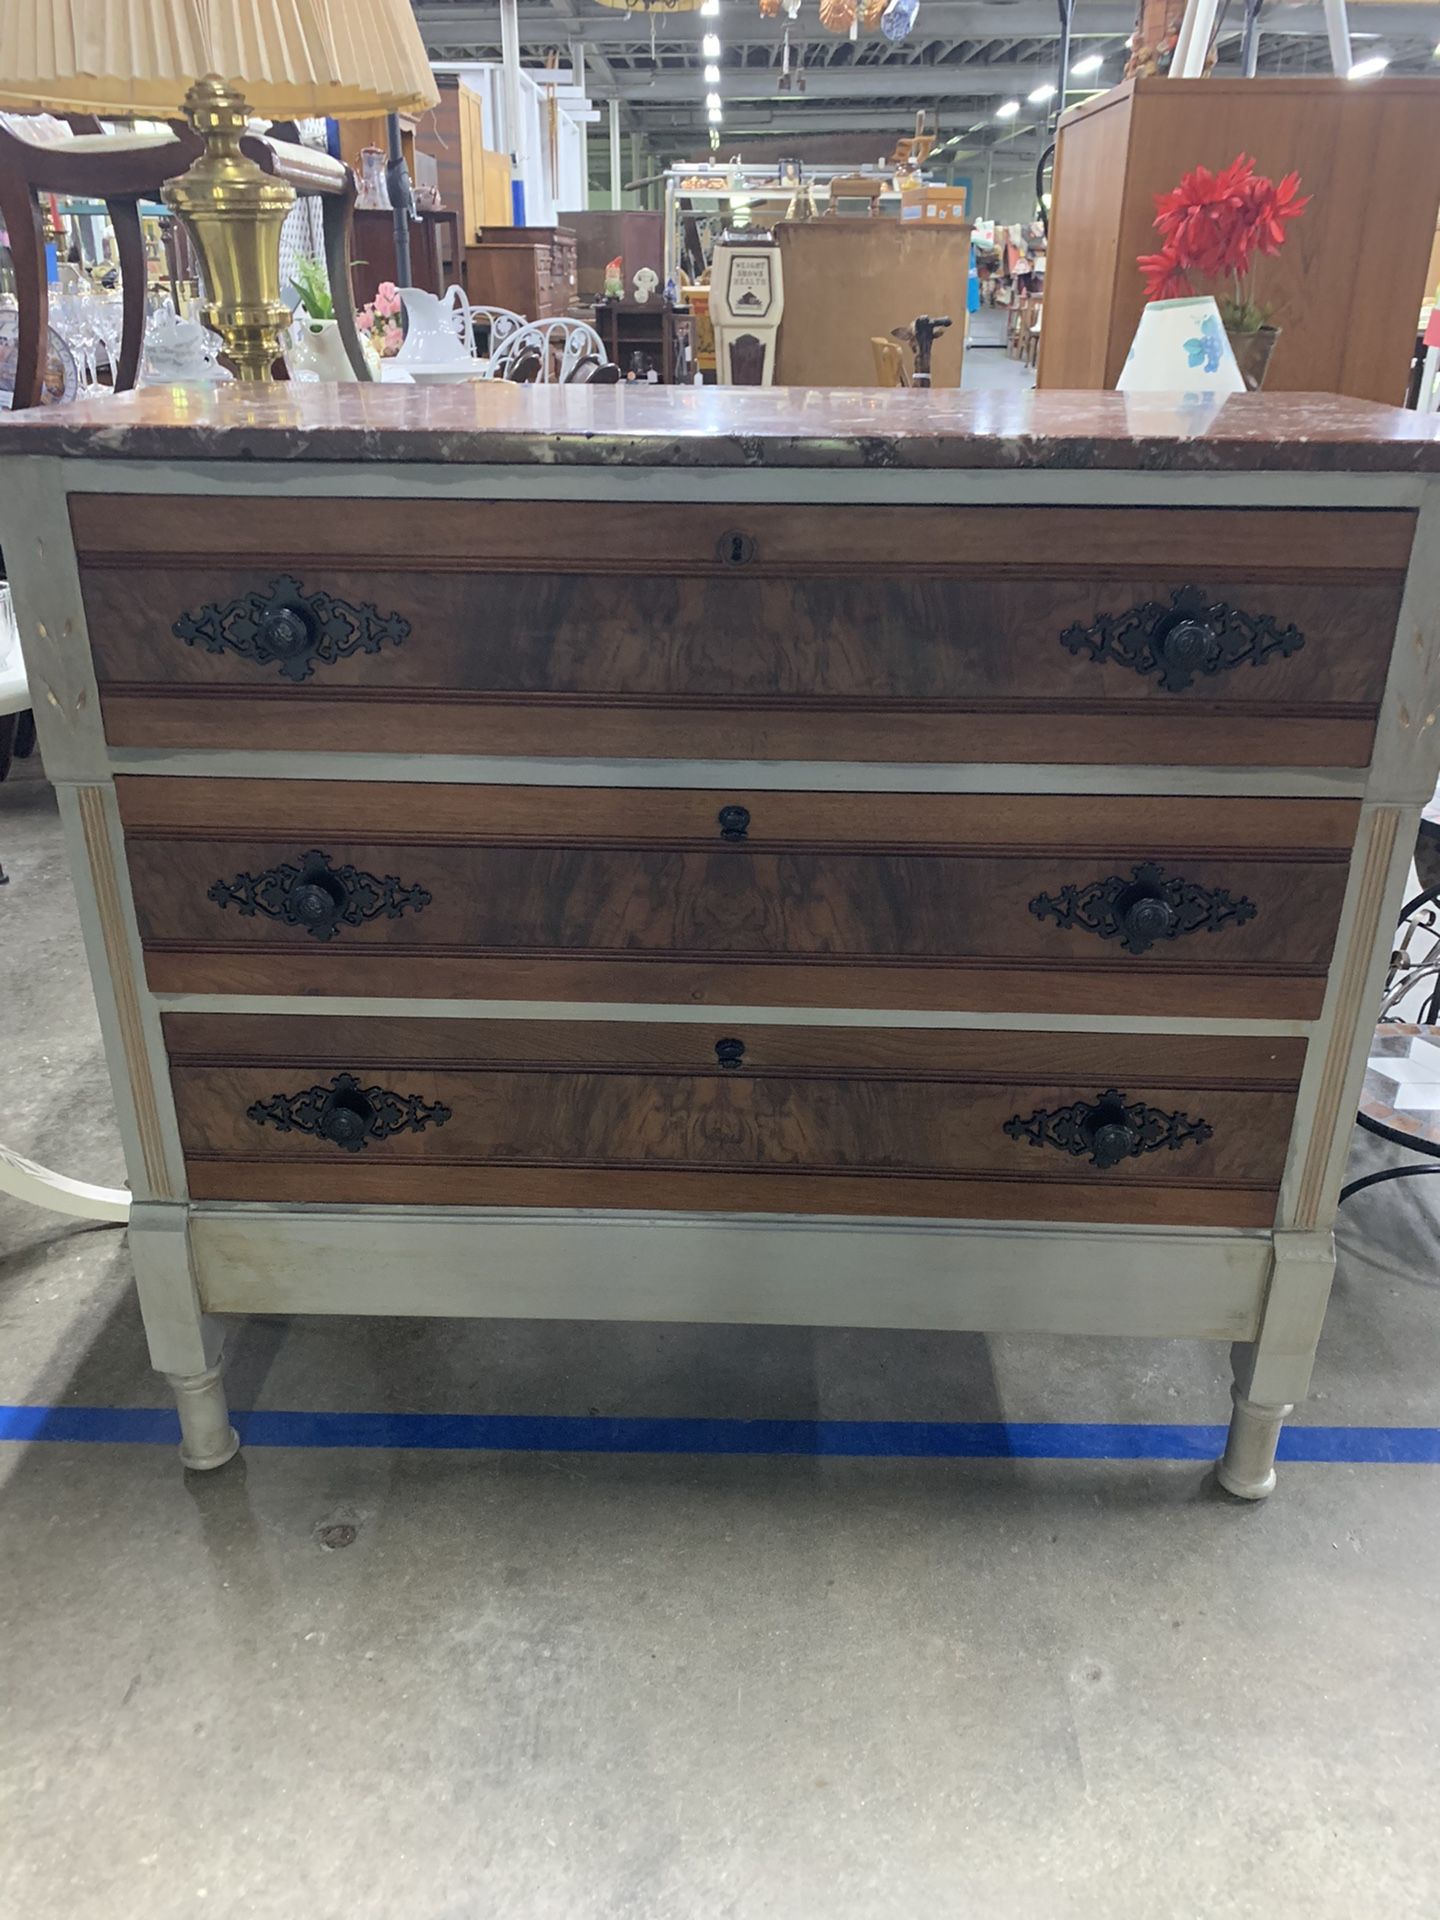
<point>843,859</point>
<point>530,270</point>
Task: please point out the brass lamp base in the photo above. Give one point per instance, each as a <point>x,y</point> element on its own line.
<point>234,212</point>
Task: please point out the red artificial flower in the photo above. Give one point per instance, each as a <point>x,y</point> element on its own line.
<point>1270,206</point>
<point>1164,276</point>
<point>1206,219</point>
<point>1216,223</point>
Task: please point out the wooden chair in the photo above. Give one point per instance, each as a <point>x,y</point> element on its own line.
<point>890,367</point>
<point>856,190</point>
<point>123,169</point>
<point>1032,331</point>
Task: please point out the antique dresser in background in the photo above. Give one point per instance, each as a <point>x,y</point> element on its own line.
<point>858,859</point>
<point>530,270</point>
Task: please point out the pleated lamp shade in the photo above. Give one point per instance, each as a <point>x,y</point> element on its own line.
<point>291,59</point>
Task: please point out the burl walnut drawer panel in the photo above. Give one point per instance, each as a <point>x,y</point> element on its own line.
<point>1090,905</point>
<point>1154,1129</point>
<point>898,634</point>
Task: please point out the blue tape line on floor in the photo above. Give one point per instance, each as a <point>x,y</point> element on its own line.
<point>843,1439</point>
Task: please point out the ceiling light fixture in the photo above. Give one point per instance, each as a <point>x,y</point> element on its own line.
<point>710,46</point>
<point>710,9</point>
<point>714,116</point>
<point>1092,63</point>
<point>1007,110</point>
<point>1368,68</point>
<point>1038,95</point>
<point>712,74</point>
<point>712,99</point>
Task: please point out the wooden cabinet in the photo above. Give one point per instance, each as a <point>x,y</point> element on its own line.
<point>1348,283</point>
<point>849,279</point>
<point>639,339</point>
<point>530,270</point>
<point>437,259</point>
<point>473,177</point>
<point>636,238</point>
<point>862,859</point>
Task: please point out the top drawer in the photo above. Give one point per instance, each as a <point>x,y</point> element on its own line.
<point>1132,636</point>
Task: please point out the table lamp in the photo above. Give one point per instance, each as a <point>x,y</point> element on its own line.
<point>221,60</point>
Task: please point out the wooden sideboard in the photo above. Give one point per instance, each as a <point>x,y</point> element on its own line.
<point>891,860</point>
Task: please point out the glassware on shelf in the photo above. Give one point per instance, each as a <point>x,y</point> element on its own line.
<point>179,352</point>
<point>372,195</point>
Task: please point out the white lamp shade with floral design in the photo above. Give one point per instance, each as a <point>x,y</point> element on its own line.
<point>1180,346</point>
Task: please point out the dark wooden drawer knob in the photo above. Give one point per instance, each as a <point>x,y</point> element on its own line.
<point>730,1053</point>
<point>734,822</point>
<point>735,549</point>
<point>1107,1129</point>
<point>285,625</point>
<point>317,896</point>
<point>346,1114</point>
<point>1191,637</point>
<point>1144,907</point>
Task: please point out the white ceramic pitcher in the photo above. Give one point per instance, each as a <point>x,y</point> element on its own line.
<point>437,328</point>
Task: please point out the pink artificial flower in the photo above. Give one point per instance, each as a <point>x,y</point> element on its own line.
<point>365,319</point>
<point>387,299</point>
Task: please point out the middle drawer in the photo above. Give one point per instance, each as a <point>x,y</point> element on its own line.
<point>1089,904</point>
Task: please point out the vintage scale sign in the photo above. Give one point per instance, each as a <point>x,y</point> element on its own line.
<point>747,299</point>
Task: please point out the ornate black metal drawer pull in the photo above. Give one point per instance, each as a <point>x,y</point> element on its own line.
<point>318,897</point>
<point>1108,1128</point>
<point>285,624</point>
<point>347,1114</point>
<point>1143,909</point>
<point>1191,636</point>
<point>734,822</point>
<point>730,1053</point>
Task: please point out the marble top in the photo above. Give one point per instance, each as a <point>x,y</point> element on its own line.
<point>495,422</point>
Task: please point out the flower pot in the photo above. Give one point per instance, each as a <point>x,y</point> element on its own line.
<point>1252,353</point>
<point>316,351</point>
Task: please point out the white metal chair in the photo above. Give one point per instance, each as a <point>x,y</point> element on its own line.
<point>560,344</point>
<point>502,323</point>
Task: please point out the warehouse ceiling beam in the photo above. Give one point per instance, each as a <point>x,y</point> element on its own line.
<point>446,26</point>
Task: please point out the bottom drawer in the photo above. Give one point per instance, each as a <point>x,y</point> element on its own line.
<point>1175,1130</point>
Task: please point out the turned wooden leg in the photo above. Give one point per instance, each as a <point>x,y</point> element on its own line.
<point>1272,1372</point>
<point>1247,1468</point>
<point>207,1439</point>
<point>185,1343</point>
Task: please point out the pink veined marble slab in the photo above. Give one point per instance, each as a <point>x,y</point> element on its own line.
<point>494,422</point>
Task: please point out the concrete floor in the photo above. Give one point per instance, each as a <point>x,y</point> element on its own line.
<point>988,367</point>
<point>685,1688</point>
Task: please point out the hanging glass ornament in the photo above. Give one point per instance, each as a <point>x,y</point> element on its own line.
<point>837,16</point>
<point>870,12</point>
